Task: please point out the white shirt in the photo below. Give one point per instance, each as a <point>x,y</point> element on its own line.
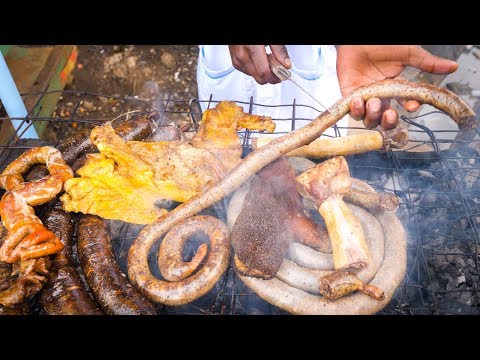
<point>313,67</point>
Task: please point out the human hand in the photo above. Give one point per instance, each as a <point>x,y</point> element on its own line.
<point>359,65</point>
<point>252,60</point>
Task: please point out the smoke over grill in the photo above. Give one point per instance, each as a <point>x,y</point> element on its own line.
<point>440,199</point>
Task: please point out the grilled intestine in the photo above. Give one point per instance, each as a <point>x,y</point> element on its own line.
<point>325,147</point>
<point>20,280</point>
<point>27,242</point>
<point>27,238</point>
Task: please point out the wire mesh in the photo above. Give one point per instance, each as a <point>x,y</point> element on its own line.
<point>436,177</point>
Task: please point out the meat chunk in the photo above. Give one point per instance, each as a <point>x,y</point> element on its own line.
<point>218,131</point>
<point>127,178</point>
<point>271,217</point>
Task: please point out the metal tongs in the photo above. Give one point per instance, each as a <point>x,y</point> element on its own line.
<point>283,74</point>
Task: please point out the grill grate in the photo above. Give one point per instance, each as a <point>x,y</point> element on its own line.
<point>440,207</point>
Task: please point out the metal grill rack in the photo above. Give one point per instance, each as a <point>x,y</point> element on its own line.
<point>440,208</point>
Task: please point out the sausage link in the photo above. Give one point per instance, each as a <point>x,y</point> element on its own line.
<point>185,285</point>
<point>27,238</point>
<point>109,285</point>
<point>79,144</point>
<point>64,294</point>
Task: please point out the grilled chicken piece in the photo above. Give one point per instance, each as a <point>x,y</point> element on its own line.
<point>127,178</point>
<point>218,131</point>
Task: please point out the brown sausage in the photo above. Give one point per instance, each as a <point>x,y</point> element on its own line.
<point>64,294</point>
<point>138,269</point>
<point>79,163</point>
<point>109,285</point>
<point>76,145</point>
<point>79,144</point>
<point>137,128</point>
<point>37,173</point>
<point>187,284</point>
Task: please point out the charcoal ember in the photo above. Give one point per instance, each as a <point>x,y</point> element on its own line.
<point>454,282</point>
<point>471,178</point>
<point>466,298</point>
<point>409,198</point>
<point>471,263</point>
<point>451,281</point>
<point>122,231</point>
<point>435,285</point>
<point>372,167</point>
<point>455,303</point>
<point>420,180</point>
<point>461,262</point>
<point>435,198</point>
<point>474,201</point>
<point>433,219</point>
<point>421,311</point>
<point>464,153</point>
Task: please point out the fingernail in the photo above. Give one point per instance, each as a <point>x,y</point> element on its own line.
<point>411,105</point>
<point>288,62</point>
<point>375,105</point>
<point>357,103</point>
<point>391,117</point>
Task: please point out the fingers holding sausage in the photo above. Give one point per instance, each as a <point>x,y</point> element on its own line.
<point>376,112</point>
